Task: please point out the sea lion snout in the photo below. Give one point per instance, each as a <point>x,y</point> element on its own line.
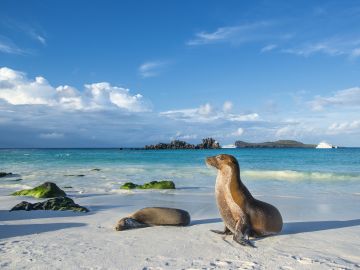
<point>120,226</point>
<point>220,160</point>
<point>127,223</point>
<point>211,161</point>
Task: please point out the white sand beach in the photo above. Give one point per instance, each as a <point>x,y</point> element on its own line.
<point>320,232</point>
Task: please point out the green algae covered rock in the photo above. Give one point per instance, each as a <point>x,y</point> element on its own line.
<point>166,184</point>
<point>56,204</point>
<point>46,190</point>
<point>158,185</point>
<point>129,185</point>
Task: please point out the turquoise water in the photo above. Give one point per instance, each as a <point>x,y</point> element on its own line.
<point>282,170</point>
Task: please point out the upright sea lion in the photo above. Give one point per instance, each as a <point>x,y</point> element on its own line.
<point>154,216</point>
<point>242,214</point>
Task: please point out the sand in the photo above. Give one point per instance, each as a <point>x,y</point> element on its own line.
<point>320,232</point>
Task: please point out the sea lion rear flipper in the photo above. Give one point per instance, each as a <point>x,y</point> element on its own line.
<point>226,231</point>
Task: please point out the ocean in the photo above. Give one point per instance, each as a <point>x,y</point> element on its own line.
<point>283,171</point>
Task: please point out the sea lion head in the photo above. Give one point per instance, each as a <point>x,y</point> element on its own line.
<point>127,223</point>
<point>222,161</point>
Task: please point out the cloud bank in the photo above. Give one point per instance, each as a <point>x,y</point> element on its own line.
<point>33,113</point>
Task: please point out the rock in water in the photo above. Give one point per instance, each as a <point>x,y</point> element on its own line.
<point>4,174</point>
<point>46,190</point>
<point>151,185</point>
<point>56,204</point>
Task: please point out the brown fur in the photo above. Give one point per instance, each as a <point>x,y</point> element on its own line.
<point>241,212</point>
<point>154,216</point>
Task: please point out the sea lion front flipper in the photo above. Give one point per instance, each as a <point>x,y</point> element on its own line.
<point>240,237</point>
<point>226,231</point>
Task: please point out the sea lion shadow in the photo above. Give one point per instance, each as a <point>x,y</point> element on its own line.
<point>7,231</point>
<point>314,226</point>
<point>97,208</point>
<point>205,221</point>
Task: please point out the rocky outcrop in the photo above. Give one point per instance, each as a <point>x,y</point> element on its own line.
<point>207,143</point>
<point>46,190</point>
<point>56,204</point>
<point>276,144</point>
<point>151,185</point>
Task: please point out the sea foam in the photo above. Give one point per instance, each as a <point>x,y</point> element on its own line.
<point>290,175</point>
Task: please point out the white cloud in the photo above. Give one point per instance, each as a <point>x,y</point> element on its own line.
<point>8,47</point>
<point>201,114</point>
<point>17,89</point>
<point>348,97</point>
<point>35,35</point>
<point>243,117</point>
<point>103,95</point>
<point>238,132</point>
<point>151,69</point>
<point>285,132</point>
<point>41,39</point>
<point>206,113</point>
<point>52,135</point>
<point>322,47</point>
<point>268,48</point>
<point>355,53</point>
<point>237,34</point>
<point>205,110</point>
<point>227,107</point>
<point>333,46</point>
<point>345,127</point>
<point>181,136</point>
<point>294,131</point>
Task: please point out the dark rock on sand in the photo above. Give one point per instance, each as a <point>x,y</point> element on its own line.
<point>78,175</point>
<point>151,185</point>
<point>96,169</point>
<point>46,190</point>
<point>56,204</point>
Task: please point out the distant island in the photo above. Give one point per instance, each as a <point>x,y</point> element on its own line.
<point>210,143</point>
<point>276,144</point>
<point>207,143</point>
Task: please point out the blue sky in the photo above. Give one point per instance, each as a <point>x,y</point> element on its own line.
<point>129,73</point>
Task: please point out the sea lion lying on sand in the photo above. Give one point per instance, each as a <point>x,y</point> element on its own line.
<point>154,216</point>
<point>242,214</point>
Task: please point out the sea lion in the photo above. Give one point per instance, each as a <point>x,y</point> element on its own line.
<point>154,216</point>
<point>242,214</point>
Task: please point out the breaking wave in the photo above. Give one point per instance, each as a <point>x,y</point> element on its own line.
<point>289,175</point>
